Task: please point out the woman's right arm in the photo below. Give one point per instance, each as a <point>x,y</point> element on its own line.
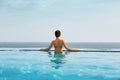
<point>70,49</point>
<point>66,47</point>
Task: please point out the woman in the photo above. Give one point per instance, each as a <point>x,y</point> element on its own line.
<point>58,44</point>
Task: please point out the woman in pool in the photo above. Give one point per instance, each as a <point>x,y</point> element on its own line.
<point>58,44</point>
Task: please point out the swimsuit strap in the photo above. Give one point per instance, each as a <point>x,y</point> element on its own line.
<point>58,46</point>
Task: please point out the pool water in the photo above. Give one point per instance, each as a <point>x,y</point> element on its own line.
<point>40,65</point>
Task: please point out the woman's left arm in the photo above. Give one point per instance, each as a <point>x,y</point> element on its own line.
<point>50,46</point>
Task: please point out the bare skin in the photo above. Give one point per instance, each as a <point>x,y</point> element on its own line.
<point>58,43</point>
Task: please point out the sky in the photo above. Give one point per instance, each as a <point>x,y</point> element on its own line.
<point>78,20</point>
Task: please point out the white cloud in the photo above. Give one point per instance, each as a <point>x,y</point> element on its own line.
<point>25,4</point>
<point>80,20</point>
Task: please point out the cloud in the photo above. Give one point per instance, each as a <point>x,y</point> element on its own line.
<point>88,18</point>
<point>24,5</point>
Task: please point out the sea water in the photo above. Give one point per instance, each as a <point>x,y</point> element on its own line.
<point>95,61</point>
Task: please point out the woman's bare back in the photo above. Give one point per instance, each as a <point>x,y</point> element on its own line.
<point>58,44</point>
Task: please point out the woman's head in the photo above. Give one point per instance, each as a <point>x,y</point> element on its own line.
<point>57,33</point>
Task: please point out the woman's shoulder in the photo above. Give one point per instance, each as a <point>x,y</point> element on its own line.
<point>57,40</point>
<point>53,41</point>
<point>62,40</point>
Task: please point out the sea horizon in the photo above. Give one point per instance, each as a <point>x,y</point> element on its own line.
<point>79,45</point>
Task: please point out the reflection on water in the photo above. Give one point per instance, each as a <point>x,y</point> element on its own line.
<point>39,65</point>
<point>58,59</point>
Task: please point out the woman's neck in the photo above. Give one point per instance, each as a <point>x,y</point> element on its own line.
<point>57,38</point>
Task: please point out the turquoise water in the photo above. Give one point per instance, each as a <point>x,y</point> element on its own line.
<point>39,65</point>
<point>95,61</point>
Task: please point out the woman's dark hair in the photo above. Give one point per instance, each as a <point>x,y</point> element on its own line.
<point>57,33</point>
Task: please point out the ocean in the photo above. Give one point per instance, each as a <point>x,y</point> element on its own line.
<point>94,61</point>
<point>90,45</point>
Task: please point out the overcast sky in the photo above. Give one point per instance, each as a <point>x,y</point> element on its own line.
<point>78,20</point>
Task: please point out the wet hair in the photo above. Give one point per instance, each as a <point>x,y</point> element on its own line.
<point>57,33</point>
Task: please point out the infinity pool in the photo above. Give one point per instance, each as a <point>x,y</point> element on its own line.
<point>39,65</point>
